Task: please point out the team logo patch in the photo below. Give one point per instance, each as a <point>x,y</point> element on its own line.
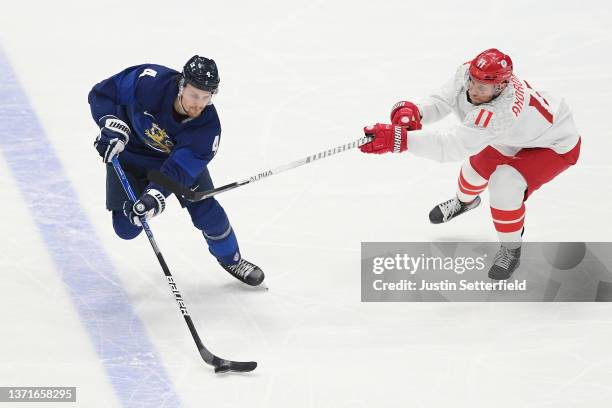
<point>157,139</point>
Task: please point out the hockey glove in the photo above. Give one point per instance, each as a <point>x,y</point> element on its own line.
<point>114,135</point>
<point>151,203</point>
<point>387,139</point>
<point>406,114</point>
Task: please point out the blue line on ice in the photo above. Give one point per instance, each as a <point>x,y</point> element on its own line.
<point>118,335</point>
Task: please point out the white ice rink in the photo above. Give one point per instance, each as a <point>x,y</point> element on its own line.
<point>80,307</point>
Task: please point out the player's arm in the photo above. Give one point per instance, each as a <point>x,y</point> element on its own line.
<point>189,159</point>
<point>431,109</point>
<point>181,167</point>
<point>109,100</point>
<point>455,143</point>
<point>452,144</point>
<point>119,90</point>
<point>106,100</point>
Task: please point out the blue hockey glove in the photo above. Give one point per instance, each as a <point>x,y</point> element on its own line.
<point>114,135</point>
<point>151,203</point>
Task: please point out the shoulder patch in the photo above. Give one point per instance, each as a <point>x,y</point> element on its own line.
<point>148,72</point>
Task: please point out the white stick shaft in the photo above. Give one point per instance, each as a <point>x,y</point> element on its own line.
<point>288,166</point>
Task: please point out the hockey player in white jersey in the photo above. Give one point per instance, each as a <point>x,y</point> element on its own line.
<point>515,139</point>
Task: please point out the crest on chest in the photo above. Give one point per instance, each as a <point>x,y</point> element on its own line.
<point>158,139</point>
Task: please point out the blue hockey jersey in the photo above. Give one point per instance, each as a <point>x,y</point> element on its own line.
<point>143,97</point>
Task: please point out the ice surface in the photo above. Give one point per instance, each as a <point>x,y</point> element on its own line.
<point>298,78</point>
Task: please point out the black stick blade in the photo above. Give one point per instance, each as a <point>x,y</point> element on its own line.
<point>226,366</point>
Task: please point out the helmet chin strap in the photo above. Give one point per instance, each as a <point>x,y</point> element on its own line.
<point>180,95</point>
<point>181,103</point>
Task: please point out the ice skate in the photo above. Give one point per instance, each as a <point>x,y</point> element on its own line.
<point>449,209</point>
<point>246,272</point>
<point>506,261</point>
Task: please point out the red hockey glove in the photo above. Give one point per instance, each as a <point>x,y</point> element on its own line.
<point>406,114</point>
<point>387,139</point>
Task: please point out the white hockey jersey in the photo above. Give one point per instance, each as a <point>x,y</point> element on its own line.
<point>519,117</point>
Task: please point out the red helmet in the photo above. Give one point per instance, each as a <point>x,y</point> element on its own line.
<point>491,67</point>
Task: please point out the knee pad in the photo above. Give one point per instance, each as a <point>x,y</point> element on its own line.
<point>507,187</point>
<point>123,227</point>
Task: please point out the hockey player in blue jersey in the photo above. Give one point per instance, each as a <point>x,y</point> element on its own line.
<point>153,117</point>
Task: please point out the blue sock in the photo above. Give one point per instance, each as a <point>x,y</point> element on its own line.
<point>224,247</point>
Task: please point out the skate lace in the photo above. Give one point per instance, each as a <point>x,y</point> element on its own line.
<point>503,257</point>
<point>242,268</point>
<point>450,207</point>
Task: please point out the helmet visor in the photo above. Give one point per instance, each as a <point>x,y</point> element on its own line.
<point>481,89</point>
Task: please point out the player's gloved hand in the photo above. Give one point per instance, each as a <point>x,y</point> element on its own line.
<point>387,139</point>
<point>151,203</point>
<point>114,135</point>
<point>406,114</point>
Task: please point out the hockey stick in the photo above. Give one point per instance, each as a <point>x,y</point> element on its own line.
<point>161,179</point>
<point>221,365</point>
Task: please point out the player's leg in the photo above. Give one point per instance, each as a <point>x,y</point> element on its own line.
<point>115,197</point>
<point>507,188</point>
<point>469,183</point>
<point>209,217</point>
<point>539,165</point>
<point>472,180</point>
